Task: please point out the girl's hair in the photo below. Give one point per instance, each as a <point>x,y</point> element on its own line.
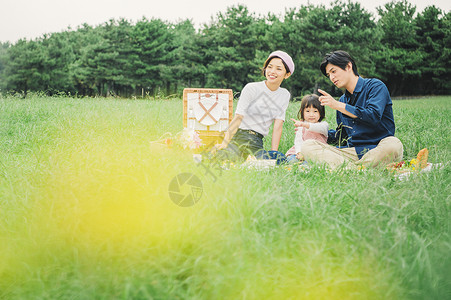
<point>269,60</point>
<point>308,101</point>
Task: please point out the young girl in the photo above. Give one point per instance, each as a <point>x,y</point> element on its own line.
<point>260,105</point>
<point>309,127</point>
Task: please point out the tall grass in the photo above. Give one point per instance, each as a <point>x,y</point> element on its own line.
<point>85,212</point>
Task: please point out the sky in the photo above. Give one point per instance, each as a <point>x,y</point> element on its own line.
<point>32,18</point>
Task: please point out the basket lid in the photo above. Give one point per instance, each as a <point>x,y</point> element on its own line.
<point>207,110</point>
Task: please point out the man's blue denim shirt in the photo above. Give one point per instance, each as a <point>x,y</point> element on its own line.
<point>372,105</point>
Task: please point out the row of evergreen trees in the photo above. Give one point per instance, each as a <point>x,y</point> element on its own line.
<point>409,51</point>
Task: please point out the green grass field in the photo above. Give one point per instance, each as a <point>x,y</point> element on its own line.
<point>85,212</point>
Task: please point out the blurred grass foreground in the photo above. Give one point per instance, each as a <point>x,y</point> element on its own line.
<point>86,214</point>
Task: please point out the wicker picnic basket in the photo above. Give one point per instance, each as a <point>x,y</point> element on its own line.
<point>208,112</point>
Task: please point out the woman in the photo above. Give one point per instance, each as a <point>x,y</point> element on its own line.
<point>260,105</point>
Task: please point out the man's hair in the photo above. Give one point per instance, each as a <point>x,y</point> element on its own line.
<point>339,58</point>
<point>311,100</point>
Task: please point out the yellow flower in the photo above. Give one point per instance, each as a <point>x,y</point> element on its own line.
<point>413,162</point>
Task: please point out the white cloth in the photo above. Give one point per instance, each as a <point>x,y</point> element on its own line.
<point>260,106</point>
<point>320,127</point>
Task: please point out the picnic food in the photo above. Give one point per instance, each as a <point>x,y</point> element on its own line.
<point>422,159</point>
<point>416,164</point>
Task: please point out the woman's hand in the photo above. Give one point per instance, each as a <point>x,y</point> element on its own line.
<point>217,147</point>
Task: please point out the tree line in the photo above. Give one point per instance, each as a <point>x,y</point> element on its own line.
<point>410,51</point>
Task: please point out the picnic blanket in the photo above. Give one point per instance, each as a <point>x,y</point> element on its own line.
<point>401,170</point>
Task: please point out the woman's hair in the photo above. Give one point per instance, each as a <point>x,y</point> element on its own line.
<point>339,58</point>
<point>269,60</point>
<point>308,101</point>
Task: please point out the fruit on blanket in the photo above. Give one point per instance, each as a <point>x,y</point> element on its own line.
<point>400,164</point>
<point>396,165</point>
<point>422,158</point>
<point>416,164</point>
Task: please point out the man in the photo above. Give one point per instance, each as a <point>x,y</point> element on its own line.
<point>366,127</point>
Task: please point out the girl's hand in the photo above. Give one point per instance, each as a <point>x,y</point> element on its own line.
<point>297,123</point>
<point>300,124</point>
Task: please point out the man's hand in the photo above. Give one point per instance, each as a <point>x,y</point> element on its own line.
<point>328,100</point>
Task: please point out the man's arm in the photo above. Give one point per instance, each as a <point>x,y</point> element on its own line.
<point>372,110</point>
<point>328,100</point>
